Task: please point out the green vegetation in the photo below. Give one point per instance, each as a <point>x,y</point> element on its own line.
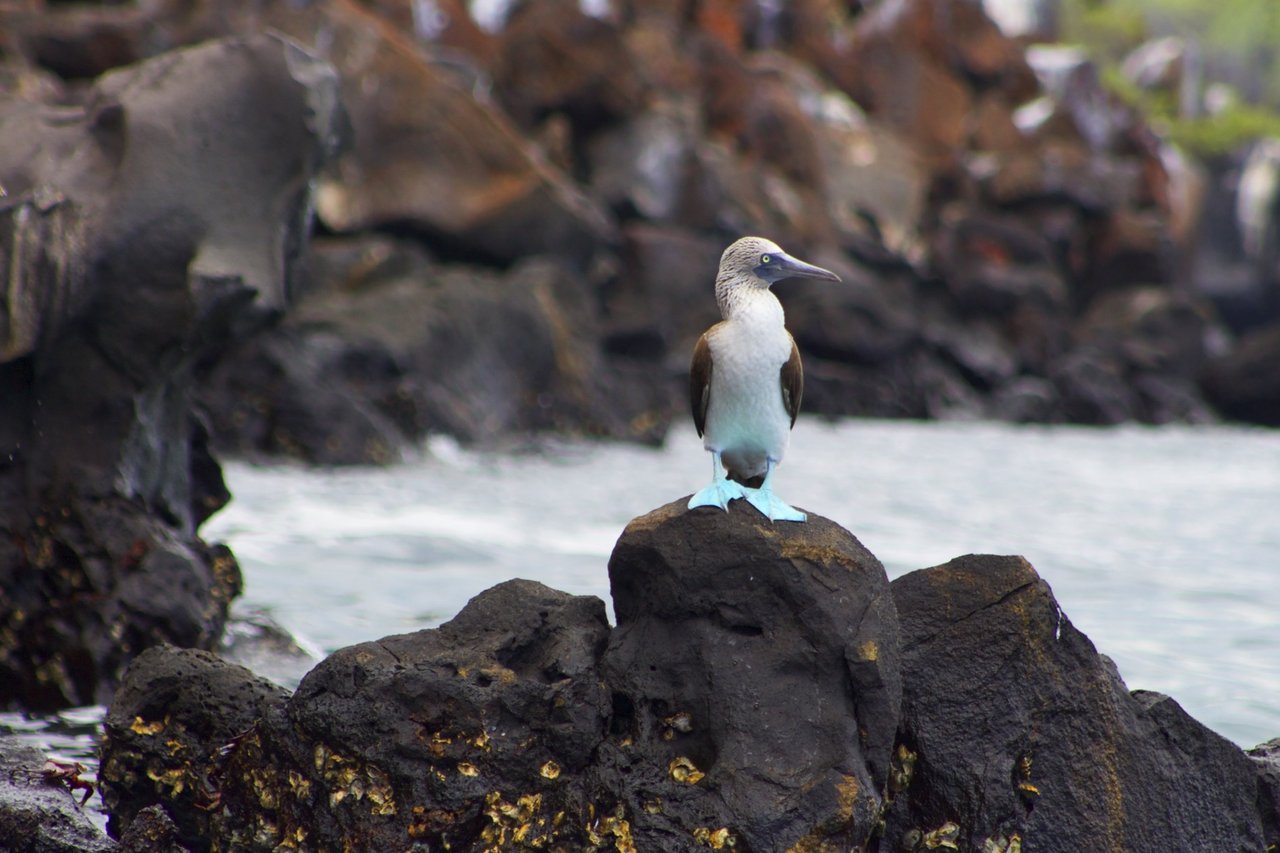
<point>1245,32</point>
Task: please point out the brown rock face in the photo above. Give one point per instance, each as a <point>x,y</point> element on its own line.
<point>429,154</point>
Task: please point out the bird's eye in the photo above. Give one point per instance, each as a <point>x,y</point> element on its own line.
<point>764,259</point>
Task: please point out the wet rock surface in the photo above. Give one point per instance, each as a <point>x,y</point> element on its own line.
<point>765,688</point>
<point>39,814</point>
<point>137,241</point>
<point>165,736</point>
<point>1013,726</point>
<point>526,721</point>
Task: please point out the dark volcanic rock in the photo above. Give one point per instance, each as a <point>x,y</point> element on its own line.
<point>756,693</point>
<point>479,733</point>
<point>750,695</point>
<point>764,656</point>
<point>176,710</point>
<point>141,232</point>
<point>1137,355</point>
<point>1245,383</point>
<point>392,346</point>
<point>39,815</point>
<point>1014,726</point>
<point>1266,757</point>
<point>152,831</point>
<point>974,178</point>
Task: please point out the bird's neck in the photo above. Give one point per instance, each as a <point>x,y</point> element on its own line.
<point>743,302</point>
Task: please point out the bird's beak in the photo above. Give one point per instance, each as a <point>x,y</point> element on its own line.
<point>789,266</point>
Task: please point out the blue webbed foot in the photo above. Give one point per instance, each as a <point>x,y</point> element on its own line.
<point>773,507</point>
<point>718,494</point>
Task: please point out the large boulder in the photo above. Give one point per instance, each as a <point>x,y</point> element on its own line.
<point>1014,727</point>
<point>764,656</point>
<point>434,154</point>
<point>165,735</point>
<point>553,58</point>
<point>1243,383</point>
<point>144,228</point>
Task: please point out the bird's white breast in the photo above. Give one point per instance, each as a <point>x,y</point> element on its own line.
<point>746,418</point>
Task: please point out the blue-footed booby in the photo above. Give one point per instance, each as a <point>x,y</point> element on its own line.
<point>746,379</point>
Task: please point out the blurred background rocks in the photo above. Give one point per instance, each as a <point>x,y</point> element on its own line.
<point>150,219</point>
<point>523,229</point>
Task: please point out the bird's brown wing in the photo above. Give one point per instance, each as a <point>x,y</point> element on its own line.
<point>700,382</point>
<point>792,379</point>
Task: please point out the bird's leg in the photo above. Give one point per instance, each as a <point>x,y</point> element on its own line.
<point>770,504</point>
<point>722,489</point>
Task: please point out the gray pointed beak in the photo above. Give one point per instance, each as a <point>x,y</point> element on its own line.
<point>789,266</point>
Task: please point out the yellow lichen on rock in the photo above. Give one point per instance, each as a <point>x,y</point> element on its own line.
<point>901,768</point>
<point>175,778</point>
<point>942,838</point>
<point>142,727</point>
<point>346,777</point>
<point>847,796</point>
<point>683,770</point>
<point>716,839</point>
<point>1012,844</point>
<point>517,822</point>
<point>438,743</point>
<point>299,784</point>
<point>615,828</point>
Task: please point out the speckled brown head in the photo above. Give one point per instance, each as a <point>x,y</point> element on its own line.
<point>756,263</point>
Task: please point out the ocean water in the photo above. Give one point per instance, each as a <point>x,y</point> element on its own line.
<point>1161,544</point>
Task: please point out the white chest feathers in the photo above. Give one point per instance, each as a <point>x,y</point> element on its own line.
<point>747,420</point>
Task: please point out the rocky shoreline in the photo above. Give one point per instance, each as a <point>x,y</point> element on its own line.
<point>322,231</point>
<point>766,688</point>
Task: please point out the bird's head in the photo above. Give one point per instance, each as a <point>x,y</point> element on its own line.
<point>758,262</point>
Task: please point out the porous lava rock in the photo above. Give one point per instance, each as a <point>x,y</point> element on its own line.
<point>479,733</point>
<point>756,662</point>
<point>1014,727</point>
<point>758,709</point>
<point>158,217</point>
<point>152,831</point>
<point>766,688</point>
<point>165,734</point>
<point>1266,756</point>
